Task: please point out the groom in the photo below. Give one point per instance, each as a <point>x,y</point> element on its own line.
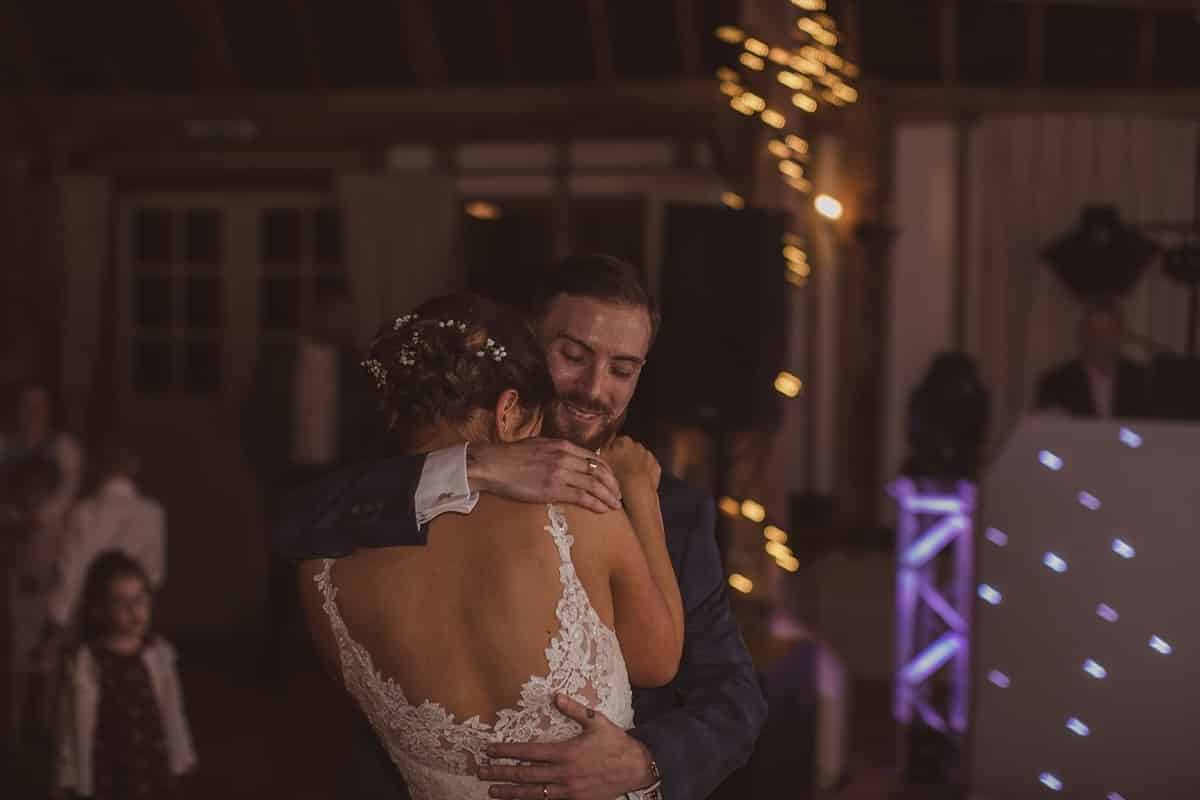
<point>597,322</point>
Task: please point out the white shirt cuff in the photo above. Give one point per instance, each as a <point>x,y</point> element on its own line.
<point>443,486</point>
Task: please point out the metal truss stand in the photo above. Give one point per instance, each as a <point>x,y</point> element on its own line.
<point>934,565</point>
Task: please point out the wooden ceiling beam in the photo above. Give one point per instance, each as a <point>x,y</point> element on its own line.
<point>502,17</point>
<point>380,117</point>
<point>308,42</point>
<point>17,37</point>
<point>1132,5</point>
<point>948,30</point>
<point>689,43</point>
<point>936,100</point>
<point>426,57</point>
<point>207,22</point>
<point>602,51</point>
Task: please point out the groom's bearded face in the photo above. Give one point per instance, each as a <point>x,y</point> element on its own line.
<point>595,350</point>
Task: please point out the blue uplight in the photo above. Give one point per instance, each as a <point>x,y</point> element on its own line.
<point>1076,726</point>
<point>1129,438</point>
<point>1160,645</point>
<point>1054,562</point>
<point>1051,781</point>
<point>1122,548</point>
<point>1089,501</point>
<point>1107,613</point>
<point>998,678</point>
<point>1114,796</point>
<point>990,594</point>
<point>1050,461</point>
<point>996,537</point>
<point>1095,670</point>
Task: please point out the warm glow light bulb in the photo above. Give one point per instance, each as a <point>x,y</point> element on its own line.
<point>777,550</point>
<point>756,46</point>
<point>774,534</point>
<point>739,105</point>
<point>788,384</point>
<point>730,34</point>
<point>480,209</point>
<point>774,118</point>
<point>753,510</point>
<point>793,253</point>
<point>828,206</point>
<point>726,74</point>
<point>804,102</point>
<point>779,55</point>
<point>791,563</point>
<point>791,168</point>
<point>741,583</point>
<point>796,143</point>
<point>754,101</point>
<point>729,506</point>
<point>731,89</point>
<point>733,200</point>
<point>751,61</point>
<point>778,149</point>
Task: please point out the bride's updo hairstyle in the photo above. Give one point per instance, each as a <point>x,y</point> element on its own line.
<point>452,357</point>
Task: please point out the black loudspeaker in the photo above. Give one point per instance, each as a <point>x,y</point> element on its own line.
<point>725,319</point>
<point>503,256</point>
<point>1175,387</point>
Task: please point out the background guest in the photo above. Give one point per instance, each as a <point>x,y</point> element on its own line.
<point>33,431</point>
<point>117,517</point>
<point>124,732</point>
<point>309,409</point>
<point>1101,382</point>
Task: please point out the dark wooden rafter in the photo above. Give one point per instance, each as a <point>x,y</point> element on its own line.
<point>207,24</point>
<point>1133,5</point>
<point>502,18</point>
<point>602,52</point>
<point>1145,48</point>
<point>949,40</point>
<point>16,36</point>
<point>426,56</point>
<point>689,43</point>
<point>1035,43</point>
<point>308,42</point>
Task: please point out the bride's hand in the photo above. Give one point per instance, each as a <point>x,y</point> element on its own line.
<point>631,462</point>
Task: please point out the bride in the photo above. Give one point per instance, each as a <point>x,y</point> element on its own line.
<point>466,642</point>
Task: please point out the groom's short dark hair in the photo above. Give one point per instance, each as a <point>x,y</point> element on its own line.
<point>598,276</point>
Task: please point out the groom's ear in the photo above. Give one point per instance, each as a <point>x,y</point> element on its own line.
<point>508,416</point>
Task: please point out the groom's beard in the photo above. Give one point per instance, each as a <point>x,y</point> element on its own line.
<point>591,434</point>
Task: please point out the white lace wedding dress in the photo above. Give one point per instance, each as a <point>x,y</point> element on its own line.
<point>437,754</point>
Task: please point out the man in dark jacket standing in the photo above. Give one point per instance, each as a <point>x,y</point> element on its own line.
<point>1101,382</point>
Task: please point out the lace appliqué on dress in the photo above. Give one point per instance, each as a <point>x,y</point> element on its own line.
<point>439,755</point>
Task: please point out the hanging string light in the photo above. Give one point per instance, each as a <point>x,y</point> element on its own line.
<point>814,71</point>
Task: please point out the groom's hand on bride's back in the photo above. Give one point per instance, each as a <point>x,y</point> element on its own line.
<point>543,471</point>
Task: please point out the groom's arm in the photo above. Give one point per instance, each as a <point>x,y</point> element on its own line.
<point>378,503</point>
<point>712,731</point>
<point>390,501</point>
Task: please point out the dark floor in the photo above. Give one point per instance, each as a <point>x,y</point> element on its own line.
<point>284,738</point>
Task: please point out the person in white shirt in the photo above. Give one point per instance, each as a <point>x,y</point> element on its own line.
<point>117,517</point>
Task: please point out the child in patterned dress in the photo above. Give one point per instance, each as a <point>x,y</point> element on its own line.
<point>124,733</point>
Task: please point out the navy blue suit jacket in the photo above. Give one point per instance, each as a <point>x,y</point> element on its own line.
<point>700,727</point>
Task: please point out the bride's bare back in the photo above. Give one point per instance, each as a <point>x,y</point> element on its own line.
<point>466,620</point>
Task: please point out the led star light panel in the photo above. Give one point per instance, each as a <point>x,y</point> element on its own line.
<point>1086,622</point>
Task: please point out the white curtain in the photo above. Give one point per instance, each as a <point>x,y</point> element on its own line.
<point>1029,178</point>
<point>400,242</point>
<point>80,232</point>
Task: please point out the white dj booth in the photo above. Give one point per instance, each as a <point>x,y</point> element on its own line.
<point>1086,625</point>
